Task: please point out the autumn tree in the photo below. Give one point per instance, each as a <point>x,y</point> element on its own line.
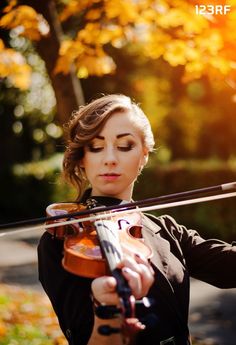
<point>72,38</point>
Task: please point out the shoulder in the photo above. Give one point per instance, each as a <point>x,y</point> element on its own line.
<point>170,229</point>
<point>165,222</point>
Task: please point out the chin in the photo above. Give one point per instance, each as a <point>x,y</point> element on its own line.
<point>110,192</point>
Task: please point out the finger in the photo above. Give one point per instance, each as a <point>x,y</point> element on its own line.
<point>139,283</point>
<point>134,263</point>
<point>142,276</point>
<point>146,277</point>
<point>141,266</point>
<point>104,284</point>
<point>109,284</point>
<point>131,263</point>
<point>134,280</point>
<point>142,260</point>
<point>104,290</point>
<point>147,272</point>
<point>134,325</point>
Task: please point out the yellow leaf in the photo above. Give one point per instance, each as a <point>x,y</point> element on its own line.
<point>192,53</point>
<point>93,14</point>
<point>63,65</point>
<point>32,24</point>
<point>94,65</point>
<point>155,44</point>
<point>175,53</point>
<point>195,24</point>
<point>69,51</point>
<point>95,34</point>
<point>74,7</point>
<point>14,67</point>
<point>9,7</point>
<point>82,72</point>
<point>125,11</point>
<point>195,68</point>
<point>173,18</point>
<point>220,64</point>
<point>21,77</point>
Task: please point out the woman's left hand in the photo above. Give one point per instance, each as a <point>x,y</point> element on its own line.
<point>138,273</point>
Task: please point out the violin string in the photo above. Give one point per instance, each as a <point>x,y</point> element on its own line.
<point>118,212</point>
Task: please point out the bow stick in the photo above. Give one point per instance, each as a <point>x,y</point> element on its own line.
<point>166,201</point>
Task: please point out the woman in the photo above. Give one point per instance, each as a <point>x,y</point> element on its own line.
<point>109,143</point>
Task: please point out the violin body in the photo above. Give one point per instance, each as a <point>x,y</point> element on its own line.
<point>83,255</point>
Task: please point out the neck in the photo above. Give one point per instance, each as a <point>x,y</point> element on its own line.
<point>122,196</point>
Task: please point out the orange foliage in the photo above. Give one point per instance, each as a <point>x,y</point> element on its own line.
<point>172,30</point>
<point>29,23</point>
<point>23,307</point>
<point>14,67</point>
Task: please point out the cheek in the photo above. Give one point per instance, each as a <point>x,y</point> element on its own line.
<point>88,165</point>
<point>89,160</point>
<point>134,161</point>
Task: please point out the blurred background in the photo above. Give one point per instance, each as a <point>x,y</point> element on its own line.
<point>180,67</point>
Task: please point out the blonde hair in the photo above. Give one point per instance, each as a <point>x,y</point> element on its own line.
<point>87,122</point>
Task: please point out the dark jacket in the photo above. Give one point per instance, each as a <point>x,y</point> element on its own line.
<point>178,253</point>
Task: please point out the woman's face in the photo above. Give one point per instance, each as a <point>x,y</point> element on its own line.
<point>113,159</point>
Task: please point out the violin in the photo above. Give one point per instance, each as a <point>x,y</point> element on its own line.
<point>93,249</point>
<point>96,248</point>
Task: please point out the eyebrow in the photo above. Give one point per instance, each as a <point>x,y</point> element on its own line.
<point>118,136</point>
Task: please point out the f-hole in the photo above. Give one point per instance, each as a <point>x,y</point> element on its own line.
<point>120,223</point>
<point>136,231</point>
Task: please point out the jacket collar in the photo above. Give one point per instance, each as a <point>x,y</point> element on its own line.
<point>160,246</point>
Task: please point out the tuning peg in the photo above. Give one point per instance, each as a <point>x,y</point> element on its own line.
<point>107,311</point>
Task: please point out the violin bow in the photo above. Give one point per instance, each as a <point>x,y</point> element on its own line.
<point>227,190</point>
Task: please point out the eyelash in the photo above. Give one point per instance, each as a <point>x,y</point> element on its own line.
<point>127,148</point>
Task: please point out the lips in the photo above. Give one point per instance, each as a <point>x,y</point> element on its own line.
<point>110,176</point>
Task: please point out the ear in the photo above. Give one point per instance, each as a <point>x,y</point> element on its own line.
<point>145,157</point>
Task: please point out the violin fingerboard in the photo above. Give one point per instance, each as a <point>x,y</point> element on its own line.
<point>108,236</point>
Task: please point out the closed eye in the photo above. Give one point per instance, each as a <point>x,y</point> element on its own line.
<point>125,148</point>
<point>95,149</point>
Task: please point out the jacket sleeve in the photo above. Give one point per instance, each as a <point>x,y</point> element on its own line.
<point>212,260</point>
<point>68,293</point>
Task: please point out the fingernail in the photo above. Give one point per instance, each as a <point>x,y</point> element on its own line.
<point>126,270</point>
<point>139,256</point>
<point>111,283</point>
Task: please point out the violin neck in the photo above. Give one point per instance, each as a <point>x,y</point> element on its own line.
<point>108,235</point>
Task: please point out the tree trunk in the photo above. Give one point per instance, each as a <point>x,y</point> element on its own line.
<point>67,88</point>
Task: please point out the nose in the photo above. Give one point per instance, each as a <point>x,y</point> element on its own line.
<point>110,158</point>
